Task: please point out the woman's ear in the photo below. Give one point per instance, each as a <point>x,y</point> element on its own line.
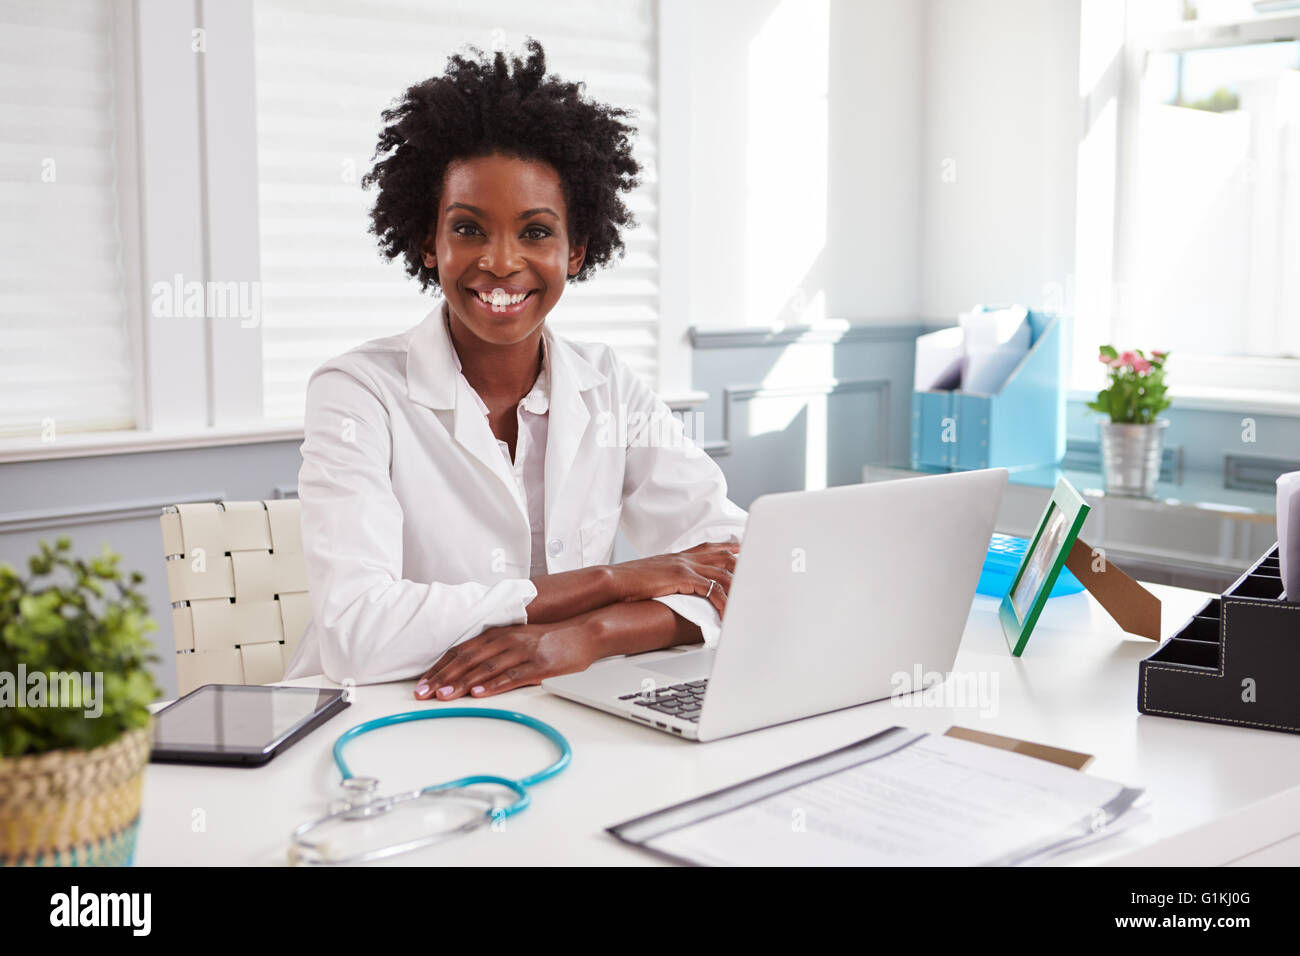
<point>427,250</point>
<point>577,253</point>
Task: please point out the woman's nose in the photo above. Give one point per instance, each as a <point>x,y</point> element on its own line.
<point>502,257</point>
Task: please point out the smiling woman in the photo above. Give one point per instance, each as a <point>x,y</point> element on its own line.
<point>460,488</point>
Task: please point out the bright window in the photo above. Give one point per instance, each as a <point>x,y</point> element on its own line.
<point>1215,209</point>
<point>65,348</point>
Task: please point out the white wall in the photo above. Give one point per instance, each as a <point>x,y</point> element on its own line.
<point>789,224</point>
<point>1003,118</point>
<point>945,175</point>
<point>878,65</point>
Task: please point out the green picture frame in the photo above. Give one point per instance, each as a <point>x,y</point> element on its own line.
<point>1057,530</point>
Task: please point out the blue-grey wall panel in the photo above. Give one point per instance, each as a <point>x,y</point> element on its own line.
<point>795,407</point>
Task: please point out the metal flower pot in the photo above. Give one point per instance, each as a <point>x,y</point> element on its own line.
<point>1130,457</point>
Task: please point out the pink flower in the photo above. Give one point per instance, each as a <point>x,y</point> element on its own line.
<point>1130,358</point>
<point>1115,363</point>
<point>1101,357</point>
<point>1141,365</point>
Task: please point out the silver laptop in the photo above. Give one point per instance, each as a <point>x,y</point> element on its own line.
<point>840,596</point>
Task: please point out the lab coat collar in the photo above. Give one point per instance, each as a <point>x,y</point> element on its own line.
<point>434,380</point>
<point>432,370</point>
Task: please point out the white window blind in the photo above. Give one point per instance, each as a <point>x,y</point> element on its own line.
<point>65,356</point>
<point>325,71</point>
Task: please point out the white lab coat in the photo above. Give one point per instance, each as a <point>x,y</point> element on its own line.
<point>415,533</point>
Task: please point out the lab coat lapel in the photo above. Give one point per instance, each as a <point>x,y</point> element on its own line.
<point>434,380</point>
<point>473,433</point>
<point>570,419</point>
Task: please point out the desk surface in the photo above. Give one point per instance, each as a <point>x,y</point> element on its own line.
<point>1076,687</point>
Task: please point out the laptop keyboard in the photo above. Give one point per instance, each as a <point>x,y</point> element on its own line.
<point>676,700</point>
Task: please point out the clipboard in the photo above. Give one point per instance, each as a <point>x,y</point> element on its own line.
<point>642,831</point>
<point>1066,758</point>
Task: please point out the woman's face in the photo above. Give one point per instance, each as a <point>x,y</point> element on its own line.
<point>500,234</point>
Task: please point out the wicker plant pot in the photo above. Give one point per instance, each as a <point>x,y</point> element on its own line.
<point>73,807</point>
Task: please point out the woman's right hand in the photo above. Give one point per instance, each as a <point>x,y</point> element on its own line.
<point>704,570</point>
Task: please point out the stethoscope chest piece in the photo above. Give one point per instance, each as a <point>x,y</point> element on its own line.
<point>356,797</point>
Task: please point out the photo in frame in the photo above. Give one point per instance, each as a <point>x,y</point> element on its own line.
<point>1057,530</point>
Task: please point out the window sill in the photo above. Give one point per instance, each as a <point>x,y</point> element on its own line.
<point>133,441</point>
<point>90,444</point>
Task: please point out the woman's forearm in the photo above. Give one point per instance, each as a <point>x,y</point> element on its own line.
<point>590,597</point>
<point>699,570</point>
<point>635,626</point>
<point>571,593</point>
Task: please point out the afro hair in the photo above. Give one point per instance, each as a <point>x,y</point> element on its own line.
<point>479,107</point>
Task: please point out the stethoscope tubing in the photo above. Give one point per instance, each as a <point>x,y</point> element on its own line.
<point>518,787</point>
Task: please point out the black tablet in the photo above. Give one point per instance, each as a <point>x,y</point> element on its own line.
<point>236,724</point>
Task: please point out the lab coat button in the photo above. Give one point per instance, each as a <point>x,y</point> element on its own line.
<point>555,547</point>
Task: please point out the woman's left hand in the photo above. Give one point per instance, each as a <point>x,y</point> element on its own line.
<point>503,658</point>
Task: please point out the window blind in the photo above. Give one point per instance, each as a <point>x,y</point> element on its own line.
<point>65,355</point>
<point>325,71</point>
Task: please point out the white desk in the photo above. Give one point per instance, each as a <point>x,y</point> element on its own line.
<point>1076,687</point>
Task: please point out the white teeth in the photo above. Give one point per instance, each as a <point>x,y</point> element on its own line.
<point>499,298</point>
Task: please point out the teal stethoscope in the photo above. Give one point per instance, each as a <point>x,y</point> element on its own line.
<point>359,801</point>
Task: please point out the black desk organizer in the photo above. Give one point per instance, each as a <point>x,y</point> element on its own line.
<point>1249,633</point>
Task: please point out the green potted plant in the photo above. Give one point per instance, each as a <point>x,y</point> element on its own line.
<point>1132,440</point>
<point>75,689</point>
